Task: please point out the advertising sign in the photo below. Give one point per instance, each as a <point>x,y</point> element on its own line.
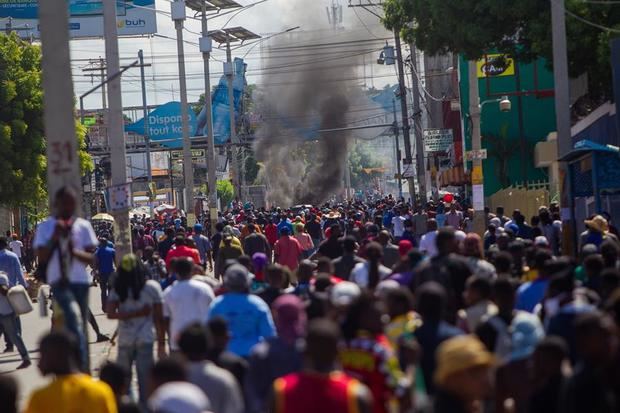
<point>437,140</point>
<point>495,65</point>
<point>165,124</point>
<point>476,155</point>
<point>134,17</point>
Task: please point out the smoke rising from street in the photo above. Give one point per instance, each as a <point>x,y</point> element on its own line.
<point>307,86</point>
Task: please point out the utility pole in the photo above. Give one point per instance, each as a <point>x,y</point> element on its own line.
<point>417,126</point>
<point>147,130</point>
<point>116,133</point>
<point>178,16</point>
<point>206,47</point>
<point>397,147</point>
<point>562,116</point>
<point>63,167</point>
<point>477,177</point>
<point>229,71</point>
<point>408,161</point>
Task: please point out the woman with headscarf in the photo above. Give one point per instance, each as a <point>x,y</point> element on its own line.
<point>137,305</point>
<point>473,250</point>
<point>277,356</point>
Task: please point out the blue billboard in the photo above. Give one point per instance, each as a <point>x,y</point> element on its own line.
<point>165,124</point>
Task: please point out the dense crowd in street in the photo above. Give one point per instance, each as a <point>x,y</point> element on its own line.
<point>378,306</point>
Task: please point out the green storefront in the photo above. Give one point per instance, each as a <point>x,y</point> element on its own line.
<point>510,159</point>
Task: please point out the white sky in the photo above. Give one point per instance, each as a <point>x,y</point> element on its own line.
<point>270,17</point>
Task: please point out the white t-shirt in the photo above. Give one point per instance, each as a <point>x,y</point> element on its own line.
<point>359,274</point>
<point>83,238</point>
<point>428,245</point>
<point>398,225</point>
<point>16,246</point>
<point>186,302</point>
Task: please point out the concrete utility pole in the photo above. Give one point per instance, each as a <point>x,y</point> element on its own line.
<point>408,161</point>
<point>562,116</point>
<point>477,177</point>
<point>229,71</point>
<point>205,47</point>
<point>178,16</point>
<point>397,148</point>
<point>417,126</point>
<point>116,133</point>
<point>63,168</point>
<point>145,111</point>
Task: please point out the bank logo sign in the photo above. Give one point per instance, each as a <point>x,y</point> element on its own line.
<point>495,65</point>
<point>134,17</point>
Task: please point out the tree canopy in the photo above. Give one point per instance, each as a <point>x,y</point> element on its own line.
<point>22,157</point>
<point>473,27</point>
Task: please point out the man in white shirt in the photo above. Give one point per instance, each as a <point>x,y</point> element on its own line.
<point>16,246</point>
<point>186,302</point>
<point>398,225</point>
<point>65,245</point>
<point>427,243</point>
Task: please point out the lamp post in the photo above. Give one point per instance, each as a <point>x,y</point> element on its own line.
<point>178,16</point>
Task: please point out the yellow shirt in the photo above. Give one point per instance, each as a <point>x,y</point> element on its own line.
<point>74,393</point>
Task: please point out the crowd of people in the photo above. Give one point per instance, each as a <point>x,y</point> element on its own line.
<point>356,307</point>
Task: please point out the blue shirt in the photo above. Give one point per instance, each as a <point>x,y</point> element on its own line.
<point>249,320</point>
<point>285,223</point>
<point>530,294</point>
<point>105,259</point>
<point>9,263</point>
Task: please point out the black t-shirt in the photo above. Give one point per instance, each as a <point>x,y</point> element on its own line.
<point>331,248</point>
<point>314,229</point>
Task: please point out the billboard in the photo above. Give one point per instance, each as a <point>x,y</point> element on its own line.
<point>165,124</point>
<point>134,17</point>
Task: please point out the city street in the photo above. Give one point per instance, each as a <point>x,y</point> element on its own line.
<point>34,327</point>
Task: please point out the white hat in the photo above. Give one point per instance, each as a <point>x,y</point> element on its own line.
<point>344,293</point>
<point>176,397</point>
<point>541,241</point>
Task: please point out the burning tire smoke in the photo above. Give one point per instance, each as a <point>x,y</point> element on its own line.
<point>302,92</point>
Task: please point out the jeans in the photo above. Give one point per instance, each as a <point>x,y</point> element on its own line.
<point>10,329</point>
<point>142,355</point>
<point>73,301</point>
<point>7,339</point>
<point>105,290</point>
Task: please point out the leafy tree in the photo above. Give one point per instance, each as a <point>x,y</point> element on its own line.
<point>22,141</point>
<point>472,27</point>
<point>225,191</point>
<point>364,167</point>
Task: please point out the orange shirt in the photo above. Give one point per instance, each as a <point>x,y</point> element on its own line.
<point>180,252</point>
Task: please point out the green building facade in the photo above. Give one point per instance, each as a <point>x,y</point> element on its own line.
<point>510,158</point>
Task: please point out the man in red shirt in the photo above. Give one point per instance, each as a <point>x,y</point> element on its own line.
<point>182,250</point>
<point>271,232</point>
<point>288,251</point>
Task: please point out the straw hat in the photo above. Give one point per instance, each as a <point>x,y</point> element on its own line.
<point>458,354</point>
<point>333,215</point>
<point>598,223</point>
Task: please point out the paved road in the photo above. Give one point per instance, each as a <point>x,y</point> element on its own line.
<point>34,327</point>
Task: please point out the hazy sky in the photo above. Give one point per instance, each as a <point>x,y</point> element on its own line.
<point>272,16</point>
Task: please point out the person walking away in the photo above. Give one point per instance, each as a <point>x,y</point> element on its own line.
<point>65,245</point>
<point>391,255</point>
<point>216,240</point>
<point>165,245</point>
<point>248,316</point>
<point>10,265</point>
<point>105,258</point>
<point>398,224</point>
<point>187,301</point>
<point>17,247</point>
<point>8,321</point>
<point>320,386</point>
<point>331,247</point>
<point>370,273</point>
<point>218,384</point>
<point>228,251</point>
<point>427,240</point>
<point>70,390</point>
<point>137,305</point>
<point>276,356</point>
<point>313,226</point>
<point>345,264</point>
<point>463,375</point>
<point>420,224</point>
<point>287,251</point>
<point>255,242</point>
<point>305,240</point>
<point>203,244</point>
<point>181,250</point>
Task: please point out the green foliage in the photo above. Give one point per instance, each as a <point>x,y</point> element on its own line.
<point>472,27</point>
<point>361,158</point>
<point>225,191</point>
<point>22,141</point>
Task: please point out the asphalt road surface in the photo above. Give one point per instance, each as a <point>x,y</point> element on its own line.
<point>33,328</point>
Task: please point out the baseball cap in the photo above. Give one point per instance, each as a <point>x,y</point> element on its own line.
<point>177,397</point>
<point>344,293</point>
